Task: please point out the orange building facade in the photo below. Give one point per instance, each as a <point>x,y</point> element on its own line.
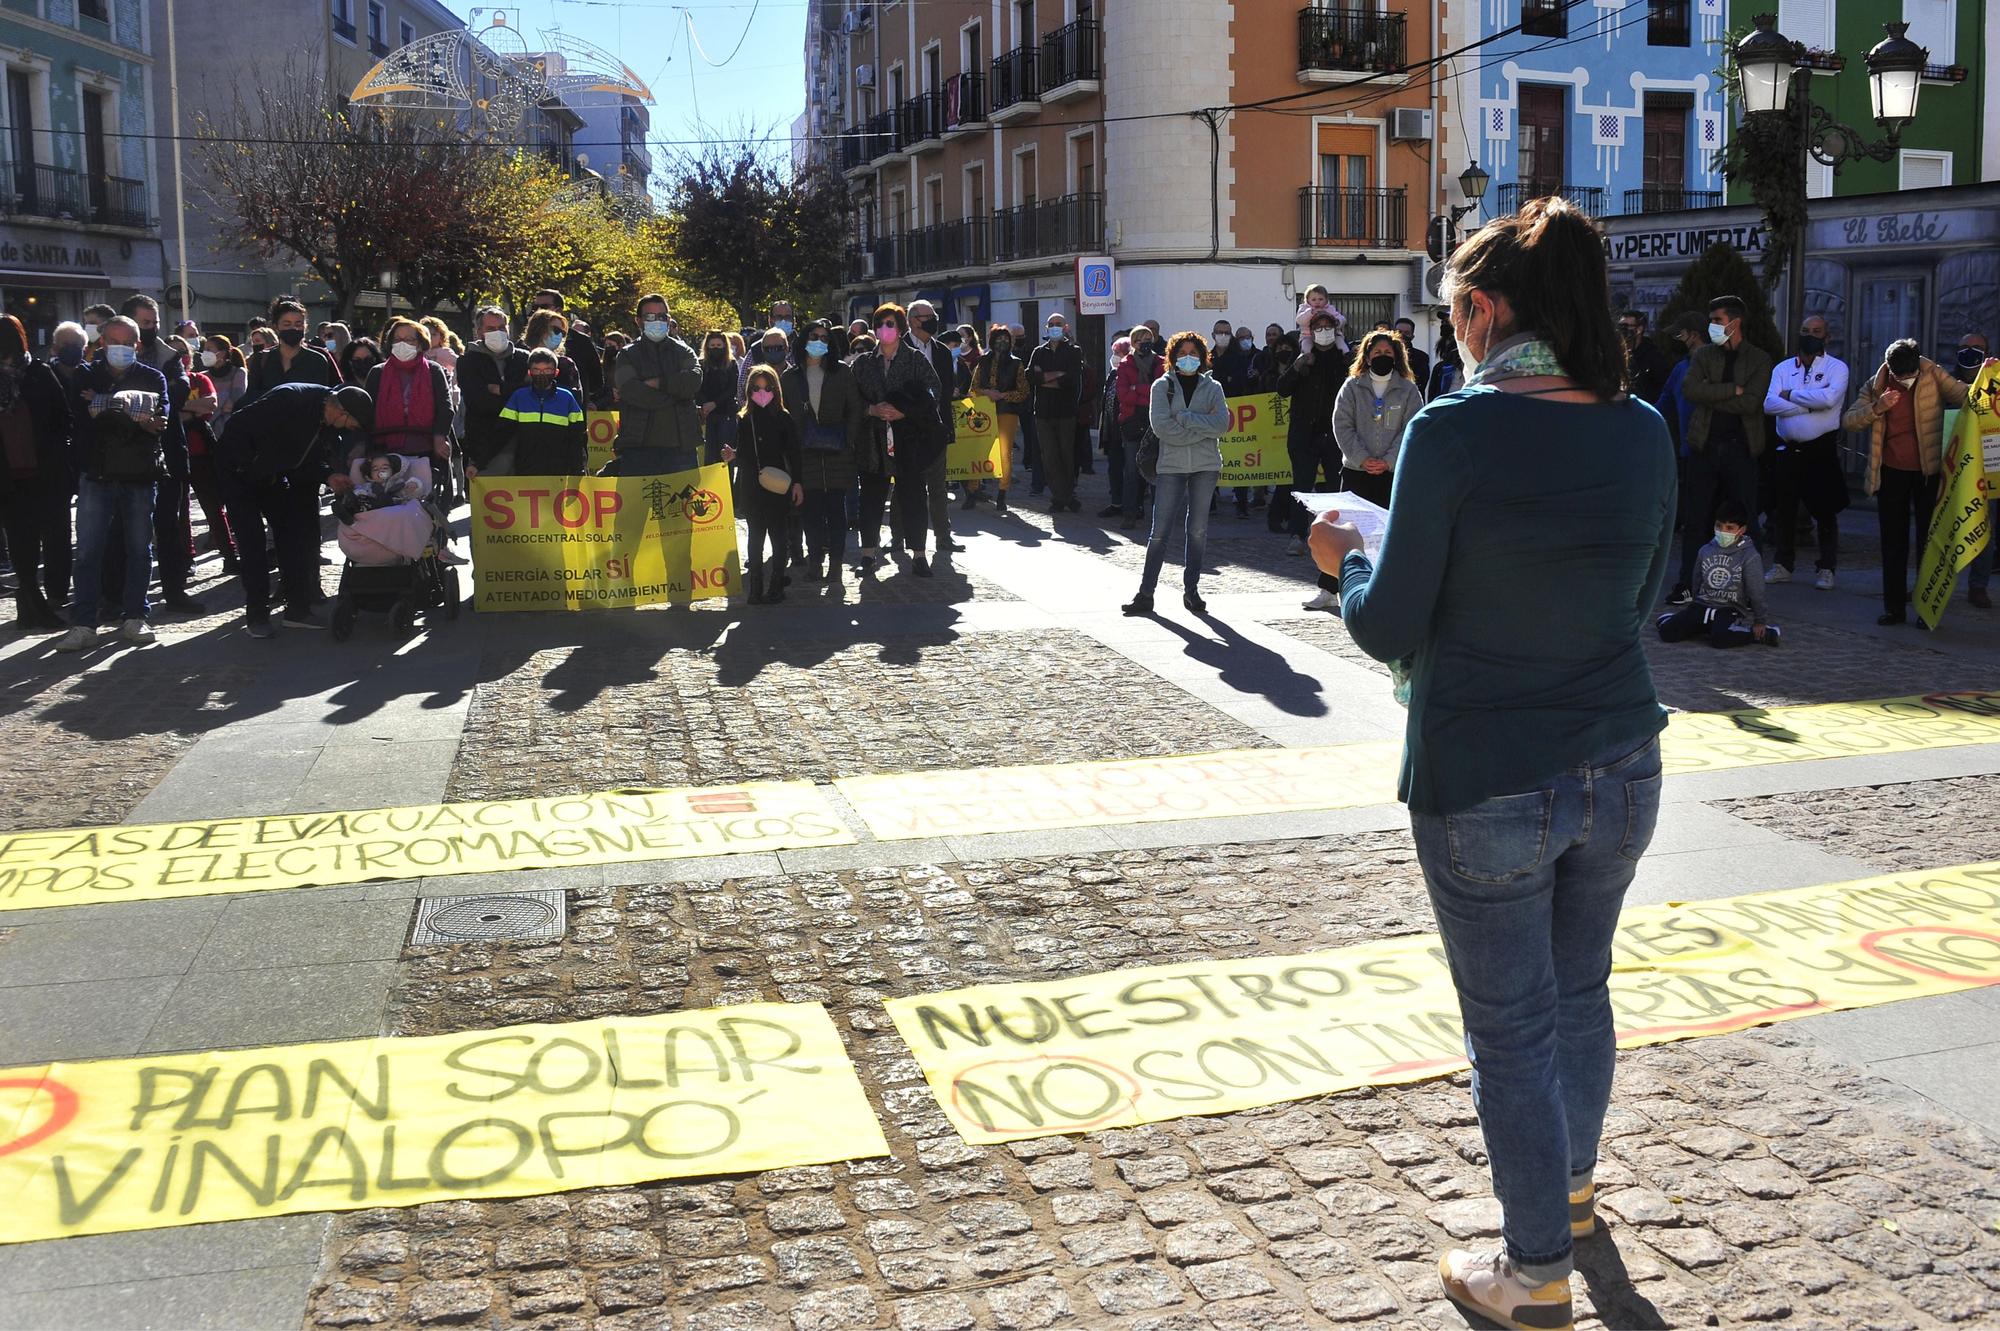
<point>1226,155</point>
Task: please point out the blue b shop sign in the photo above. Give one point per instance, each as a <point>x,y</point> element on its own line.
<point>1096,285</point>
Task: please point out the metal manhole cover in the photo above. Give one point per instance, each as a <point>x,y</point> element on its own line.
<point>513,916</point>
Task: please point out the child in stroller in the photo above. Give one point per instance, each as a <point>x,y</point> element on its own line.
<point>391,532</point>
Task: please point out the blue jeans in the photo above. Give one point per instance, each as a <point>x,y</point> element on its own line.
<point>1526,889</point>
<point>1979,573</point>
<point>1179,499</point>
<point>100,506</point>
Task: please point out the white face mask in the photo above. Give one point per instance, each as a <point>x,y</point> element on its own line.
<point>1906,380</point>
<point>90,334</point>
<point>210,360</point>
<point>656,330</point>
<point>497,341</point>
<point>1324,337</point>
<point>403,351</point>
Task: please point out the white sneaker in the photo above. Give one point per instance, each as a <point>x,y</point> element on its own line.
<point>1487,1284</point>
<point>1325,600</point>
<point>79,637</point>
<point>1825,580</point>
<point>135,631</point>
<point>1778,573</point>
<point>1297,547</point>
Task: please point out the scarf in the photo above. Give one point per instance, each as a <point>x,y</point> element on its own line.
<point>1522,356</point>
<point>405,416</point>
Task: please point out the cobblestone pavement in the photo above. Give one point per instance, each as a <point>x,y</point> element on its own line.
<point>593,718</point>
<point>1917,825</point>
<point>1746,1179</point>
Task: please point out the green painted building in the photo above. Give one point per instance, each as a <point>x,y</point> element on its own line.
<point>78,205</point>
<point>1951,140</point>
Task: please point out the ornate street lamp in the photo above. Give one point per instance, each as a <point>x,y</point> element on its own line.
<point>1895,74</point>
<point>1472,182</point>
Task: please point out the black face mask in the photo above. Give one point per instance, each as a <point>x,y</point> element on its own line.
<point>1970,358</point>
<point>927,326</point>
<point>149,336</point>
<point>291,337</point>
<point>1001,345</point>
<point>1810,345</point>
<point>718,353</point>
<point>1381,365</point>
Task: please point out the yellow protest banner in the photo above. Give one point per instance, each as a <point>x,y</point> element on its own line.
<point>154,861</point>
<point>978,453</point>
<point>146,1143</point>
<point>979,800</point>
<point>1962,522</point>
<point>602,428</point>
<point>1010,1061</point>
<point>602,542</point>
<point>1254,450</point>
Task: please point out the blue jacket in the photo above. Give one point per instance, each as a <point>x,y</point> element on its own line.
<point>1676,409</point>
<point>547,432</point>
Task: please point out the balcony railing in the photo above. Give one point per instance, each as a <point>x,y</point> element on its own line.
<point>948,245</point>
<point>1669,199</point>
<point>883,138</point>
<point>854,149</point>
<point>1358,218</point>
<point>921,119</point>
<point>1667,22</point>
<point>1590,198</point>
<point>46,191</point>
<point>1545,18</point>
<point>118,201</point>
<point>1070,55</point>
<point>1350,41</point>
<point>964,101</point>
<point>1073,224</point>
<point>1014,79</point>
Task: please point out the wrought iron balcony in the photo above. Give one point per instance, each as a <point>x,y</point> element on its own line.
<point>965,243</point>
<point>1353,218</point>
<point>854,153</point>
<point>1014,86</point>
<point>118,201</point>
<point>964,101</point>
<point>1349,41</point>
<point>920,120</point>
<point>1073,224</point>
<point>1070,59</point>
<point>1512,195</point>
<point>883,138</point>
<point>46,191</point>
<point>1669,199</point>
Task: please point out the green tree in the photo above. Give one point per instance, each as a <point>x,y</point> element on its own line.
<point>746,230</point>
<point>1721,270</point>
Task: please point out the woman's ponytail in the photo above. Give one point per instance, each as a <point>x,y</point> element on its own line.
<point>1548,262</point>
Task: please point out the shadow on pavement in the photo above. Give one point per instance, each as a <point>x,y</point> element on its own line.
<point>1248,668</point>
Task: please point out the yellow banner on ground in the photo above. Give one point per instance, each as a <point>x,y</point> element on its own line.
<point>154,861</point>
<point>1962,522</point>
<point>1253,449</point>
<point>977,453</point>
<point>602,429</point>
<point>1009,1061</point>
<point>602,542</point>
<point>979,800</point>
<point>145,1143</point>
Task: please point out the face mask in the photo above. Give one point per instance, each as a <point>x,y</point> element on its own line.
<point>332,344</point>
<point>210,360</point>
<point>956,352</point>
<point>1381,366</point>
<point>553,341</point>
<point>120,358</point>
<point>1725,539</point>
<point>1188,364</point>
<point>149,336</point>
<point>1247,343</point>
<point>762,397</point>
<point>1324,337</point>
<point>888,335</point>
<point>1000,346</point>
<point>1970,358</point>
<point>497,341</point>
<point>69,355</point>
<point>816,349</point>
<point>405,352</point>
<point>292,337</point>
<point>1055,334</point>
<point>1810,345</point>
<point>1906,380</point>
<point>1718,333</point>
<point>774,355</point>
<point>784,326</point>
<point>1142,348</point>
<point>542,383</point>
<point>656,330</point>
<point>90,334</point>
<point>927,326</point>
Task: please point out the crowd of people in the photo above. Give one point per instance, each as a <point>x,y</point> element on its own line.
<point>837,431</point>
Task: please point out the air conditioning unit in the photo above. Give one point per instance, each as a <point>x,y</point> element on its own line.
<point>864,76</point>
<point>1410,122</point>
<point>850,22</point>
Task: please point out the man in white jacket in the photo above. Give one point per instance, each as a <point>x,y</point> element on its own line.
<point>1807,395</point>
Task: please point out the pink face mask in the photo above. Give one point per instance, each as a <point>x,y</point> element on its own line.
<point>762,397</point>
<point>888,335</point>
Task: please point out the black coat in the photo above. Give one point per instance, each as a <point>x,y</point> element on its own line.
<point>282,433</point>
<point>765,437</point>
<point>309,365</point>
<point>49,413</point>
<point>478,371</point>
<point>840,407</point>
<point>1312,389</point>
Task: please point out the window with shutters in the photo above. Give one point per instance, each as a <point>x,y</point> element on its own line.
<point>1540,139</point>
<point>1807,22</point>
<point>1665,148</point>
<point>1934,26</point>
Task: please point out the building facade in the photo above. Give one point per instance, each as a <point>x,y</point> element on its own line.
<point>225,48</point>
<point>989,146</point>
<point>1945,144</point>
<point>612,142</point>
<point>77,198</point>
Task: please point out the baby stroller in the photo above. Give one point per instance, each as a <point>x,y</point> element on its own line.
<point>391,532</point>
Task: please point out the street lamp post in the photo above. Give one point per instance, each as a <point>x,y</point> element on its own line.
<point>1768,63</point>
<point>1443,238</point>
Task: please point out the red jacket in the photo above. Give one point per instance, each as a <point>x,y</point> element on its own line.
<point>1135,385</point>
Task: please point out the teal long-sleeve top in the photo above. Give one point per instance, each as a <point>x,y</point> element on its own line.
<point>1526,545</point>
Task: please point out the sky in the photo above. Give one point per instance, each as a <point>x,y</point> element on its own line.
<point>761,84</point>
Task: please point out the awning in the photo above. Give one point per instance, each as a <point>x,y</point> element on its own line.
<point>71,281</point>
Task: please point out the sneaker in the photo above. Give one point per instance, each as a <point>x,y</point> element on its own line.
<point>1825,581</point>
<point>1297,547</point>
<point>135,631</point>
<point>304,619</point>
<point>450,558</point>
<point>79,637</point>
<point>1680,596</point>
<point>1486,1283</point>
<point>1138,605</point>
<point>260,628</point>
<point>1583,1211</point>
<point>1325,600</point>
<point>1778,573</point>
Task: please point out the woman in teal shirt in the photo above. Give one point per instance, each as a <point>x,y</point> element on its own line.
<point>1528,536</point>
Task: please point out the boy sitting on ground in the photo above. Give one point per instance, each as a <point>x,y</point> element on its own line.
<point>1728,603</point>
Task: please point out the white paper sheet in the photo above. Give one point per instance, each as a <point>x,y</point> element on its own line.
<point>1371,520</point>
